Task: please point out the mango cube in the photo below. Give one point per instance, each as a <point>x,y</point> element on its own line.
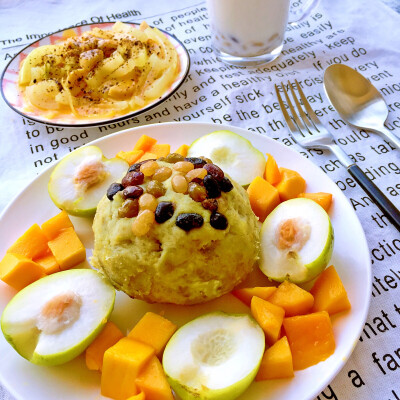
<point>19,271</point>
<point>108,337</point>
<point>55,225</point>
<point>121,366</point>
<point>67,249</point>
<point>154,330</point>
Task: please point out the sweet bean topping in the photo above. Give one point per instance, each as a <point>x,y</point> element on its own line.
<point>212,187</point>
<point>149,168</point>
<point>156,188</point>
<point>196,161</point>
<point>147,202</point>
<point>162,174</point>
<point>132,178</point>
<point>179,184</point>
<point>113,190</point>
<point>188,221</point>
<point>136,167</point>
<point>210,204</point>
<point>174,157</point>
<point>129,208</point>
<point>196,173</point>
<point>143,222</point>
<point>225,185</point>
<point>162,159</point>
<point>222,204</point>
<point>207,160</point>
<point>218,221</point>
<point>197,192</point>
<point>164,211</point>
<point>183,166</point>
<point>132,192</point>
<point>215,171</point>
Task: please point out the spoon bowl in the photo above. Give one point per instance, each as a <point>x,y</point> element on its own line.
<point>357,100</point>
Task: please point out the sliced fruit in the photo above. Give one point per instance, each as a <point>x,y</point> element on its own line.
<point>272,173</point>
<point>290,185</point>
<point>214,357</point>
<point>81,179</point>
<point>323,199</point>
<point>54,319</point>
<point>296,241</point>
<point>231,152</point>
<point>246,294</point>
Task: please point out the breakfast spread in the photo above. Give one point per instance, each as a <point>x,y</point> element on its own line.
<point>177,227</point>
<point>101,73</point>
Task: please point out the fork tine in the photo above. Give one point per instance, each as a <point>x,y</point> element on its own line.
<point>295,117</point>
<point>310,111</point>
<point>288,120</point>
<point>307,122</point>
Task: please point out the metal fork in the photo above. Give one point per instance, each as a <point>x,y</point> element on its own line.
<point>307,131</point>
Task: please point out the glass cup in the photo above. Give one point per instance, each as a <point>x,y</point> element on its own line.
<point>251,32</point>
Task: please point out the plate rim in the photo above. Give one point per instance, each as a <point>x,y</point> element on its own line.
<point>105,122</point>
<point>133,131</point>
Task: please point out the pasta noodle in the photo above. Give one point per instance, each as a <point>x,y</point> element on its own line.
<point>102,73</point>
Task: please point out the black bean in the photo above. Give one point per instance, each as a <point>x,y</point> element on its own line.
<point>215,171</point>
<point>188,221</point>
<point>225,185</point>
<point>132,178</point>
<point>218,221</point>
<point>164,211</point>
<point>132,192</point>
<point>196,161</point>
<point>113,190</point>
<point>136,167</point>
<point>212,187</point>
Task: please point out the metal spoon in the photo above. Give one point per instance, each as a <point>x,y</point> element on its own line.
<point>357,100</point>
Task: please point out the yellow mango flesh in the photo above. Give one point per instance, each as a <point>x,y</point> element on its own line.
<point>94,354</point>
<point>269,317</point>
<point>293,299</point>
<point>55,225</point>
<point>153,330</point>
<point>277,362</point>
<point>121,366</point>
<point>329,293</point>
<point>153,382</point>
<point>67,249</point>
<point>290,185</point>
<point>310,338</point>
<point>246,294</point>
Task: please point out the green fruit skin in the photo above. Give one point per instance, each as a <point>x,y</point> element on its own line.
<point>229,393</point>
<point>314,268</point>
<point>68,355</point>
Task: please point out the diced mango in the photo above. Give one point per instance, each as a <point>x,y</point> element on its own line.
<point>323,199</point>
<point>161,150</point>
<point>94,354</point>
<point>130,156</point>
<point>144,143</point>
<point>246,294</point>
<point>148,156</point>
<point>121,366</point>
<point>182,150</point>
<point>329,293</point>
<point>49,263</point>
<point>154,330</point>
<point>269,317</point>
<point>53,226</point>
<point>271,173</point>
<point>263,197</point>
<point>32,244</point>
<point>139,396</point>
<point>292,298</point>
<point>19,271</point>
<point>153,382</point>
<point>67,249</point>
<point>277,362</point>
<point>290,185</point>
<point>310,338</point>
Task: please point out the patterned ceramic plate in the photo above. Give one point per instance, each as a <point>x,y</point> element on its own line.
<point>13,97</point>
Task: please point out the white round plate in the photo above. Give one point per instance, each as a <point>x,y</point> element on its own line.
<point>74,382</point>
<point>13,97</point>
